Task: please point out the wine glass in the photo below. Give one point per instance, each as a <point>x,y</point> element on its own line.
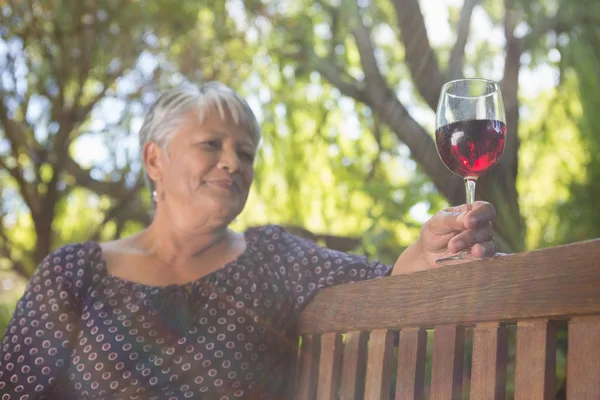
<point>470,131</point>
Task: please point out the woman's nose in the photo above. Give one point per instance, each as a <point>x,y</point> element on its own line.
<point>229,161</point>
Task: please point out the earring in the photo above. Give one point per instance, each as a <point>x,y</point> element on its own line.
<point>154,196</point>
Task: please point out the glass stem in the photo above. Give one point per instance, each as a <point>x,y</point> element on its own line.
<point>470,189</point>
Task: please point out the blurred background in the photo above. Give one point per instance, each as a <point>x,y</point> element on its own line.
<point>345,91</point>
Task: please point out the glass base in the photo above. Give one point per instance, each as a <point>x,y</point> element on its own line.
<point>458,258</point>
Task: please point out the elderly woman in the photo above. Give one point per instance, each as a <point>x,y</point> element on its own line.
<point>188,308</point>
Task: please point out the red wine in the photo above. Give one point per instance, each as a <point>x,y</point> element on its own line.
<point>471,148</point>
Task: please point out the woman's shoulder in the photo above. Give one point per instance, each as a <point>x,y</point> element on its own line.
<point>278,237</point>
<point>270,233</point>
<point>68,266</point>
<point>77,252</point>
<point>69,260</point>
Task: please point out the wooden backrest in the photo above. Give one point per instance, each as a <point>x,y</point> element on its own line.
<point>358,338</point>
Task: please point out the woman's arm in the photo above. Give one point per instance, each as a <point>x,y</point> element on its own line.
<point>36,345</point>
<point>308,267</point>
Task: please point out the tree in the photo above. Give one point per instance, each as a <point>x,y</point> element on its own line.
<point>362,66</point>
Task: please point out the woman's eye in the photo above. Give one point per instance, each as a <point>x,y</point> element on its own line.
<point>212,144</point>
<point>247,156</point>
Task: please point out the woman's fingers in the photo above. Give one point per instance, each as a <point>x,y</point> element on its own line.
<point>487,249</point>
<point>470,238</point>
<point>457,219</point>
<point>482,213</point>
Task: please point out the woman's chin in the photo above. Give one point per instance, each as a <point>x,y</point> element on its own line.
<point>222,213</point>
<point>215,211</point>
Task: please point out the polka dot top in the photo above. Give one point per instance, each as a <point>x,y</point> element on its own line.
<point>81,333</point>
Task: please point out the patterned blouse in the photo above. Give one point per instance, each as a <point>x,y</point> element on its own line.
<point>81,333</point>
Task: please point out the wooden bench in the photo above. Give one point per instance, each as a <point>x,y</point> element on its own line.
<point>385,325</point>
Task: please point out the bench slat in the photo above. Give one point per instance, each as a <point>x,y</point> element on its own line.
<point>308,367</point>
<point>583,365</point>
<point>354,366</point>
<point>329,366</point>
<point>411,364</point>
<point>446,374</point>
<point>490,353</point>
<point>535,373</point>
<point>553,283</point>
<point>379,363</point>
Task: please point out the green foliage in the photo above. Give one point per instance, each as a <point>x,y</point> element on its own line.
<point>581,218</point>
<point>6,311</point>
<point>560,151</point>
<point>552,157</point>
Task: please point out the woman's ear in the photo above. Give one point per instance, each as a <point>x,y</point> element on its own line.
<point>153,160</point>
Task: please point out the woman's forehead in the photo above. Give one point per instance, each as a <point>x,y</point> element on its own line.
<point>215,124</point>
<point>239,134</point>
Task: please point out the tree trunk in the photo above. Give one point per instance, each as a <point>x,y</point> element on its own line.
<point>43,230</point>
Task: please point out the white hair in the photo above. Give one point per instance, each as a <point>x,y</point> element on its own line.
<point>172,106</point>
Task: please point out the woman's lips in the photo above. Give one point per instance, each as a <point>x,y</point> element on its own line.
<point>228,185</point>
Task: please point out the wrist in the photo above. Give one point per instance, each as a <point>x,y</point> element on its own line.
<point>411,260</point>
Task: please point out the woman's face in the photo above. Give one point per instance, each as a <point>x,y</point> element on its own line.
<point>206,178</point>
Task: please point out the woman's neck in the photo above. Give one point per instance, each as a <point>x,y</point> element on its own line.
<point>177,248</point>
